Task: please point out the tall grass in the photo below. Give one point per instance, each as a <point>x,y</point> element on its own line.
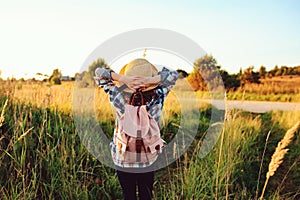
<point>42,156</point>
<point>243,142</point>
<point>280,151</point>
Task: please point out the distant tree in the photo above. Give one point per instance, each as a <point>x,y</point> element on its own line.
<point>57,73</point>
<point>284,70</point>
<point>56,81</point>
<point>297,70</point>
<point>231,81</point>
<point>249,76</point>
<point>262,71</point>
<point>207,66</point>
<point>278,72</point>
<point>273,71</point>
<point>100,62</point>
<point>55,78</point>
<point>77,76</point>
<point>240,71</point>
<point>205,74</point>
<point>196,81</point>
<point>86,78</point>
<point>290,71</point>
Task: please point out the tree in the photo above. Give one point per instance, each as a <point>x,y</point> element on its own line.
<point>57,73</point>
<point>207,66</point>
<point>262,71</point>
<point>55,78</point>
<point>86,78</point>
<point>284,70</point>
<point>273,71</point>
<point>100,62</point>
<point>77,76</point>
<point>231,82</point>
<point>278,72</point>
<point>297,70</point>
<point>205,74</point>
<point>249,76</point>
<point>196,81</point>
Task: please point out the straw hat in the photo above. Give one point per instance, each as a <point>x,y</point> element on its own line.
<point>139,67</point>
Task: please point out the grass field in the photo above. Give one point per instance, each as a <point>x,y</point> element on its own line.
<point>42,156</point>
<point>280,88</point>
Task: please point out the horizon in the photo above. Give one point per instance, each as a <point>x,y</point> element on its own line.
<point>38,37</point>
<point>40,76</point>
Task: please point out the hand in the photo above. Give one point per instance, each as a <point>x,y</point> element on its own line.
<point>136,82</point>
<point>133,82</point>
<point>142,82</point>
<point>148,81</point>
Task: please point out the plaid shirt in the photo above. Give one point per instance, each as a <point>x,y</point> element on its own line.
<point>154,107</point>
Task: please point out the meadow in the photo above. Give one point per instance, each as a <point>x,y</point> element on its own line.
<point>278,88</point>
<point>43,157</point>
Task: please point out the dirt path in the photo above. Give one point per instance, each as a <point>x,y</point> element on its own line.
<point>255,106</point>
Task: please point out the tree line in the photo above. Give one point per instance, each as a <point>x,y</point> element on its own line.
<point>206,70</point>
<point>206,74</point>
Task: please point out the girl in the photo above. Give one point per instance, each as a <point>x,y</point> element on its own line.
<point>137,75</point>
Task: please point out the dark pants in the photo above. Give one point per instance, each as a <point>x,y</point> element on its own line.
<point>128,182</point>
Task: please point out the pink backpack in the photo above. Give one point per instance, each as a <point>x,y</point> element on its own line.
<point>137,138</point>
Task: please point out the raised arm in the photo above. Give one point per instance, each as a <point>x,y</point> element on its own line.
<point>104,78</point>
<point>168,79</point>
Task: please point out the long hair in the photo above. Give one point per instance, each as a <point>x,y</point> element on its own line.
<point>140,97</point>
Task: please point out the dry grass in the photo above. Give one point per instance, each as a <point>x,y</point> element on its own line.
<point>280,151</point>
<point>62,98</point>
<point>2,113</point>
<point>275,85</point>
<point>207,178</point>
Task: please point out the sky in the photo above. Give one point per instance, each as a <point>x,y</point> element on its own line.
<point>40,36</point>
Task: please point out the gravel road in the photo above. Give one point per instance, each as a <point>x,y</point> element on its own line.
<point>255,106</point>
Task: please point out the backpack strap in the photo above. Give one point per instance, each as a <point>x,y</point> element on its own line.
<point>138,145</point>
<point>139,139</point>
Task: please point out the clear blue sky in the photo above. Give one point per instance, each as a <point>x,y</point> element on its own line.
<point>39,36</point>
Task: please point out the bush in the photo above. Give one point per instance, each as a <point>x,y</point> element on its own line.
<point>55,81</point>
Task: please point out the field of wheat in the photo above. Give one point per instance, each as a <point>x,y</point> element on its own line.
<point>43,157</point>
